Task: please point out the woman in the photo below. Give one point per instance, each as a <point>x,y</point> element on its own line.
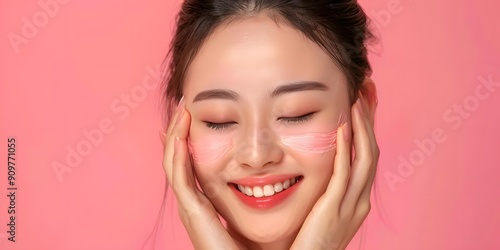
<point>271,97</point>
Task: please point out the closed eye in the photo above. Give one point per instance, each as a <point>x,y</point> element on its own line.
<point>217,126</point>
<point>298,119</point>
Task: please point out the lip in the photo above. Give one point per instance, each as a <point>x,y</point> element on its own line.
<point>264,180</point>
<point>266,202</point>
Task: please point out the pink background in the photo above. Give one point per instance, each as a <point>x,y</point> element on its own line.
<point>75,67</point>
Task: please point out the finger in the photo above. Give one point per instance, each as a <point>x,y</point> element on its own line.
<point>163,134</point>
<point>365,195</point>
<point>363,205</point>
<point>362,162</point>
<point>172,121</point>
<point>341,167</point>
<point>368,95</point>
<point>366,109</point>
<point>176,115</point>
<point>169,143</point>
<point>375,152</point>
<point>182,171</point>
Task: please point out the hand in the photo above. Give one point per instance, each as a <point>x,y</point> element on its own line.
<point>341,210</point>
<point>195,210</point>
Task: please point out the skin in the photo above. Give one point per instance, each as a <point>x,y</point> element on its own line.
<point>252,57</point>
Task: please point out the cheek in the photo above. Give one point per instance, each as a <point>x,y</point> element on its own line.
<point>207,155</point>
<point>313,143</point>
<point>206,150</point>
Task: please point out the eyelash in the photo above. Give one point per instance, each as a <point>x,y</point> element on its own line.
<point>217,126</point>
<point>293,120</point>
<point>298,119</point>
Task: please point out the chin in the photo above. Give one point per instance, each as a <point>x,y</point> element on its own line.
<point>270,226</point>
<point>267,234</point>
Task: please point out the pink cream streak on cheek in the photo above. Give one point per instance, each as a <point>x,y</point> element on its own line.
<point>209,149</point>
<point>316,143</point>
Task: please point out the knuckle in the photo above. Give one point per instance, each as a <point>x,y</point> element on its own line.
<point>364,209</point>
<point>345,214</point>
<point>367,158</point>
<point>376,151</point>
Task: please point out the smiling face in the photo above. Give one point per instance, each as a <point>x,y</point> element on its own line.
<point>265,103</point>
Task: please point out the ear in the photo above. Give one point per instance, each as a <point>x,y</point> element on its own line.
<point>368,93</point>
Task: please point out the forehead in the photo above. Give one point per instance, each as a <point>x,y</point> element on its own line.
<point>248,52</point>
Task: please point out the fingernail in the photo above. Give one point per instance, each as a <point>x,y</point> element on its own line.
<point>181,101</point>
<point>180,109</point>
<point>163,135</point>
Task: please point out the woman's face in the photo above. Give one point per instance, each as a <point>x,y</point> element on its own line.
<point>265,103</point>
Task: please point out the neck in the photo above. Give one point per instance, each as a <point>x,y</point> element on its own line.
<point>244,243</point>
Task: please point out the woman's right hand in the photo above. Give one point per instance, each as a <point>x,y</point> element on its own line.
<point>195,210</point>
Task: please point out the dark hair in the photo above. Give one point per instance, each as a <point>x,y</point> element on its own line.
<point>339,27</point>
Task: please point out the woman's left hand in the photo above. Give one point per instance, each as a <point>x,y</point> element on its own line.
<point>341,210</point>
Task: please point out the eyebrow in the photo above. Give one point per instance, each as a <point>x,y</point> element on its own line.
<point>280,90</point>
<point>216,94</point>
<point>298,86</point>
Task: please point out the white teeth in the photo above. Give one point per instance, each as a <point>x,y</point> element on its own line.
<point>257,192</point>
<point>286,184</point>
<point>278,187</point>
<point>248,191</point>
<point>267,190</point>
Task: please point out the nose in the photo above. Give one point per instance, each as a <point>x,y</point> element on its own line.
<point>258,149</point>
